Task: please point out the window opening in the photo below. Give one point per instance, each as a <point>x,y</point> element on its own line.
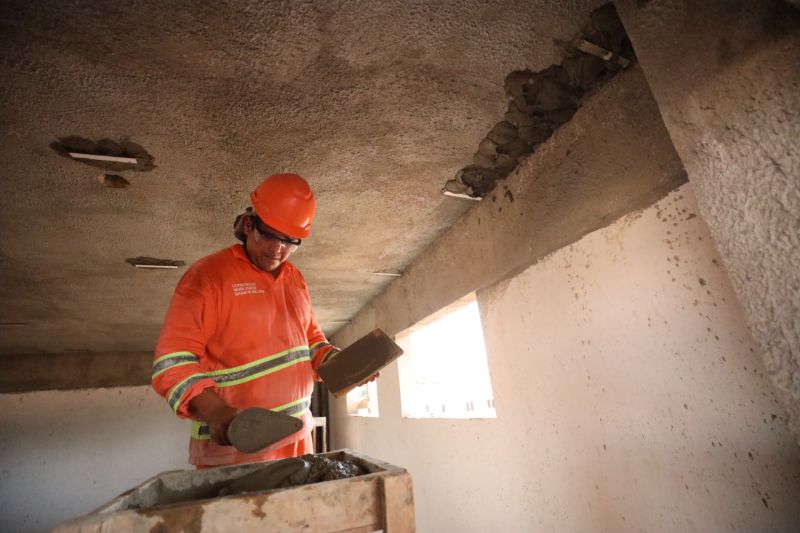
<point>363,400</point>
<point>444,372</point>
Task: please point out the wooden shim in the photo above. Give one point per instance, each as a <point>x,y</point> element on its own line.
<point>359,361</point>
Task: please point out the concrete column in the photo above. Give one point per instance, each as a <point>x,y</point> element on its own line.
<point>726,77</point>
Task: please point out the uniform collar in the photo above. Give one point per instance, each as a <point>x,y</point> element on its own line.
<point>240,253</point>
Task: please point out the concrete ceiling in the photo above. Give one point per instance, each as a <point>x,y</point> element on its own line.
<point>377,104</point>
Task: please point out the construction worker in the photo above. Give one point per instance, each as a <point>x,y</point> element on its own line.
<point>240,331</point>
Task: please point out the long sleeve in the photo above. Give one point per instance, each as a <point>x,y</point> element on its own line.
<point>191,319</point>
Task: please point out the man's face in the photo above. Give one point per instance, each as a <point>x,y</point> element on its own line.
<point>266,247</point>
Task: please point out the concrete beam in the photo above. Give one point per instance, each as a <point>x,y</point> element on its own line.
<point>80,370</point>
<point>613,157</point>
<point>726,76</point>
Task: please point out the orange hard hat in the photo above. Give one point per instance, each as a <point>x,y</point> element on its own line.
<point>285,202</point>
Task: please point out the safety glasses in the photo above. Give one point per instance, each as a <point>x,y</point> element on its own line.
<point>268,233</point>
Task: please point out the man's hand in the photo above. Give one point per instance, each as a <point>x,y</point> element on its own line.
<point>373,377</point>
<point>211,409</point>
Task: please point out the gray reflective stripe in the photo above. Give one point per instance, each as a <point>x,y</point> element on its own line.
<point>260,368</point>
<point>317,347</point>
<point>180,389</point>
<point>183,358</point>
<point>299,408</point>
<point>203,429</point>
<point>330,355</point>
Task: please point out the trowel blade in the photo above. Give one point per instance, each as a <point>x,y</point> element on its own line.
<point>369,354</point>
<point>255,428</point>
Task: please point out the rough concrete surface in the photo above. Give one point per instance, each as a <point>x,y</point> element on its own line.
<point>613,157</point>
<point>376,103</point>
<point>630,397</point>
<point>726,75</point>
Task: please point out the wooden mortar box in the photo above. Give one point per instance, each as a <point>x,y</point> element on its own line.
<point>380,500</point>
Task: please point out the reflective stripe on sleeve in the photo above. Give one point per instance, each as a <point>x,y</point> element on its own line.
<point>170,360</point>
<point>176,393</point>
<point>317,346</point>
<point>330,355</point>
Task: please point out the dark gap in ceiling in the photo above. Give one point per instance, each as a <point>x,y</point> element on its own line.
<point>154,262</point>
<point>105,147</point>
<point>113,181</point>
<point>540,102</point>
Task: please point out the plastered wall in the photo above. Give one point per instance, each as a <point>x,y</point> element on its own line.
<point>63,454</point>
<point>726,76</point>
<point>629,395</point>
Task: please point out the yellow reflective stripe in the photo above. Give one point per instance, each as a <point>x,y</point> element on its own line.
<point>171,360</point>
<point>330,355</point>
<point>177,393</point>
<point>290,404</point>
<point>237,375</point>
<point>167,356</point>
<point>263,373</point>
<point>196,424</point>
<point>172,366</point>
<point>256,362</point>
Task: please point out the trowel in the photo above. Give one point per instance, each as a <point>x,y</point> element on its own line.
<point>356,363</point>
<point>255,428</point>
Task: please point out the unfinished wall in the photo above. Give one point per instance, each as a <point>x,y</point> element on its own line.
<point>612,157</point>
<point>63,454</point>
<point>629,397</point>
<point>726,76</point>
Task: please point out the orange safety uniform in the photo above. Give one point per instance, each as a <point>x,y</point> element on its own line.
<point>251,337</point>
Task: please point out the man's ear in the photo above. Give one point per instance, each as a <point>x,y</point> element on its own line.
<point>242,226</point>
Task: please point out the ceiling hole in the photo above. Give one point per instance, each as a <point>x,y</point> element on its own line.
<point>114,181</point>
<point>123,148</point>
<point>152,262</point>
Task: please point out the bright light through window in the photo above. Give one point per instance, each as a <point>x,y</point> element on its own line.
<point>363,400</point>
<point>444,372</point>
